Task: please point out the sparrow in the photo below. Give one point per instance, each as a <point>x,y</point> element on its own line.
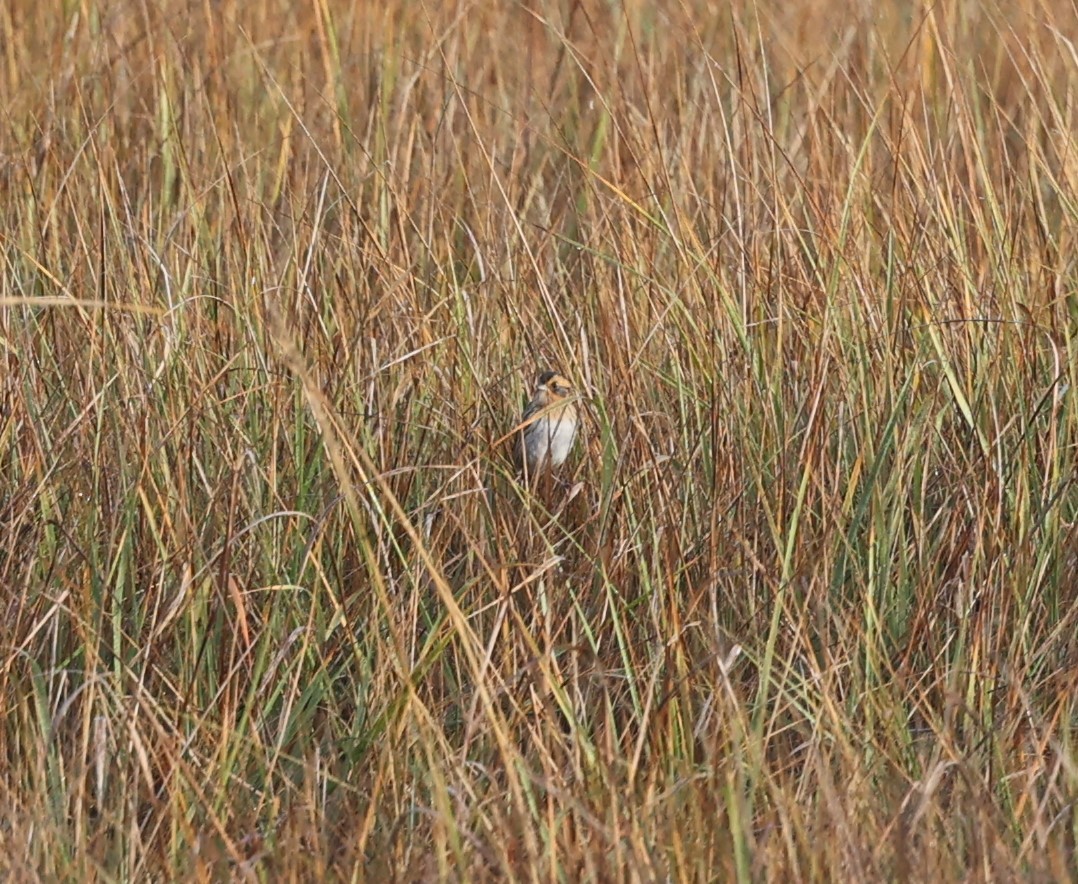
<point>547,428</point>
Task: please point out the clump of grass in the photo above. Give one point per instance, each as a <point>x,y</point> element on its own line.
<point>276,280</point>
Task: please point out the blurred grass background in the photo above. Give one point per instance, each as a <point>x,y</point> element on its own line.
<point>276,280</point>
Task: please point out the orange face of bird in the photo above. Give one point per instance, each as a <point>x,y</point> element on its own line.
<point>553,385</point>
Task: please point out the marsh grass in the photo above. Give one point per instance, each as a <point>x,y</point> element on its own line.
<point>276,280</point>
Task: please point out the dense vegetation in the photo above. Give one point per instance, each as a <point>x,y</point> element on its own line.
<point>276,280</point>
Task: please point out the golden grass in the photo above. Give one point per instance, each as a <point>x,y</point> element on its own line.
<point>276,279</point>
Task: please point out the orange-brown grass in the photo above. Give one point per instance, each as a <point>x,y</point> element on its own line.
<point>276,278</point>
